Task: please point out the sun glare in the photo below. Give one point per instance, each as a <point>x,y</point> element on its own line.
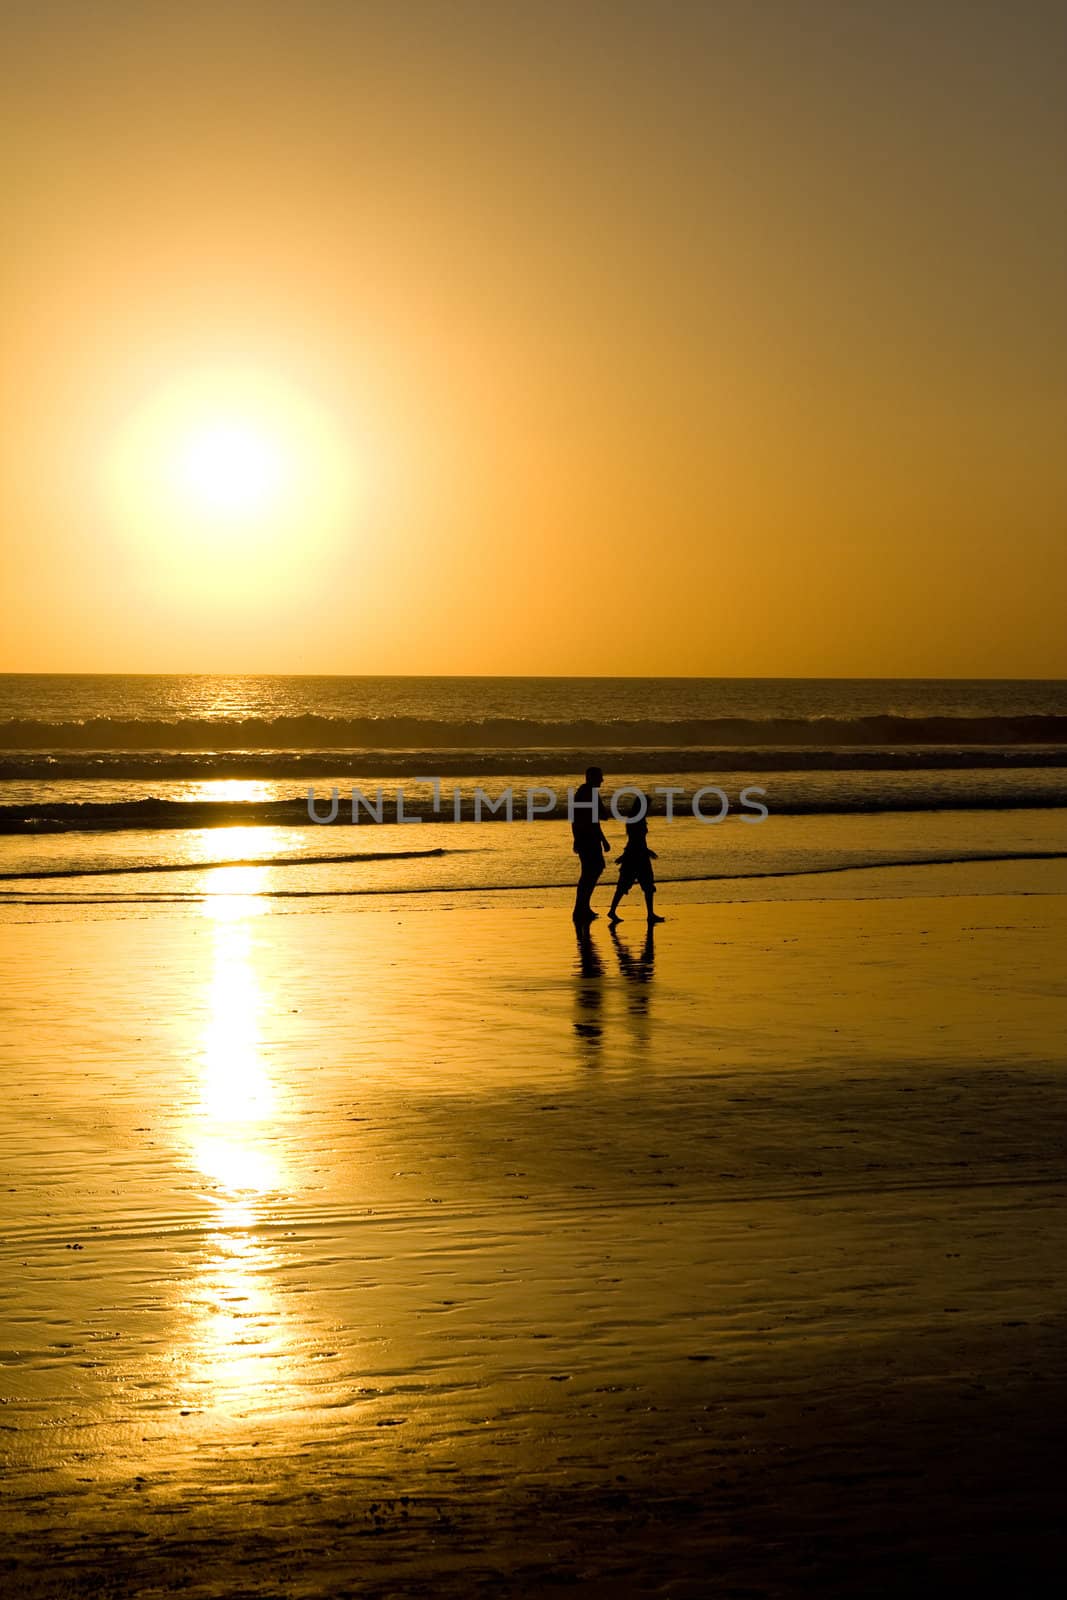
<point>231,484</point>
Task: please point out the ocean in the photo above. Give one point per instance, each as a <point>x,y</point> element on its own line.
<point>119,789</point>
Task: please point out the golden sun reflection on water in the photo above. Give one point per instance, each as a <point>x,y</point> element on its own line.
<point>235,893</point>
<point>228,856</point>
<point>237,1338</point>
<point>240,789</point>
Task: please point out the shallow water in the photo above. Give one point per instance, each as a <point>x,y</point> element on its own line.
<point>467,857</point>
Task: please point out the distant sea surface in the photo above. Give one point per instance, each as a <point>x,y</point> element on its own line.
<point>101,773</point>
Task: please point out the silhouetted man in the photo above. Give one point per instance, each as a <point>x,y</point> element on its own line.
<point>589,843</point>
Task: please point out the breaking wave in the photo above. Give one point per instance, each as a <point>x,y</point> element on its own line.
<point>319,733</point>
<point>153,813</point>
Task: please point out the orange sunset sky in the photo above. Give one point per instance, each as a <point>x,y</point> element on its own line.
<point>719,338</point>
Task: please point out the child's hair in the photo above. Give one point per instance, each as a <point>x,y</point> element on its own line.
<point>637,806</point>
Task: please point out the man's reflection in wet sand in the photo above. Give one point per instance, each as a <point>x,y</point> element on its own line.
<point>637,969</point>
<point>588,992</point>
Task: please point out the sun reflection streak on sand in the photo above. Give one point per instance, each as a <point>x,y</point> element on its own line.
<point>238,1343</point>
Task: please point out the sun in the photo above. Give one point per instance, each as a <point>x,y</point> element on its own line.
<point>231,485</point>
<point>230,468</point>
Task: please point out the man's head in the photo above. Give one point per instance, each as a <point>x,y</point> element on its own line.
<point>594,777</point>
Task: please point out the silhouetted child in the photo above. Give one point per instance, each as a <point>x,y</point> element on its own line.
<point>635,863</point>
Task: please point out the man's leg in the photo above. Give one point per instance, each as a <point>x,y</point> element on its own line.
<point>584,890</point>
<point>592,867</point>
<point>597,867</point>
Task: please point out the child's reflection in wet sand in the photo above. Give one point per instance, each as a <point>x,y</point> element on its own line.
<point>637,968</point>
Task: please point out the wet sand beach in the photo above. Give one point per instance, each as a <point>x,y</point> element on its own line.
<point>427,1251</point>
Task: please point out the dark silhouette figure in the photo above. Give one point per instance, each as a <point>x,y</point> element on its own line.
<point>590,844</point>
<point>635,864</point>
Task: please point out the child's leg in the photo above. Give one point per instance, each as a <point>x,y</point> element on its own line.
<point>622,888</point>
